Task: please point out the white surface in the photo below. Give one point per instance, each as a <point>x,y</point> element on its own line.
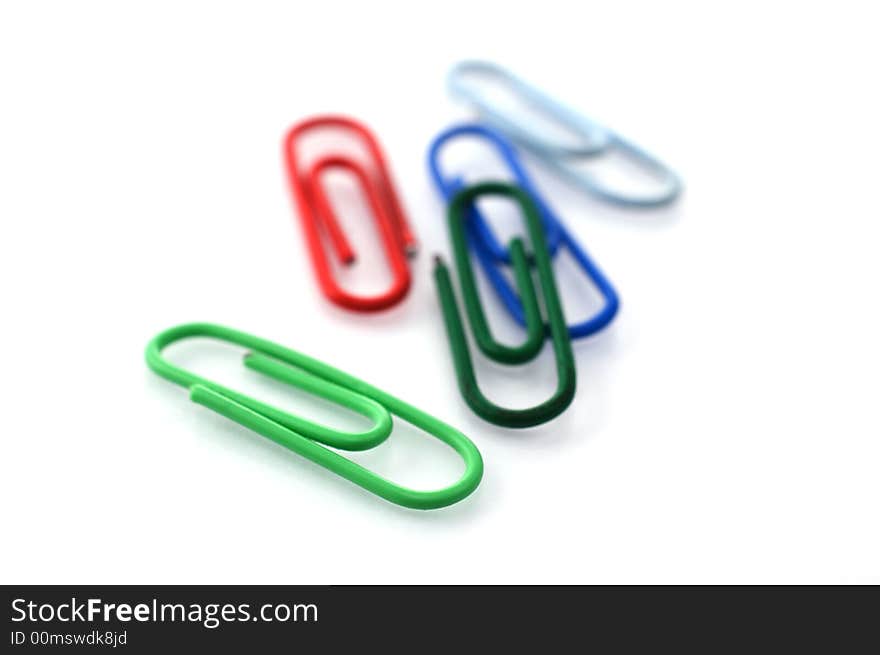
<point>725,428</point>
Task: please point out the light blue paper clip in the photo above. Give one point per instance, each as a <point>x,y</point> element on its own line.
<point>596,140</point>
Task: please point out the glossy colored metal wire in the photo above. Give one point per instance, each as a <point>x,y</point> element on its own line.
<point>594,139</point>
<point>491,254</point>
<point>305,437</point>
<point>486,342</point>
<point>317,215</point>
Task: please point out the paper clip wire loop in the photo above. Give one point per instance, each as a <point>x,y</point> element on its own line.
<point>316,213</point>
<point>594,139</point>
<point>486,342</point>
<point>489,251</point>
<point>305,437</point>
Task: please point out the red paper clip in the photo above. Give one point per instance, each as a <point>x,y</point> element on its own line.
<point>316,213</point>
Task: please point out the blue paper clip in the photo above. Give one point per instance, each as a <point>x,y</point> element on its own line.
<point>595,139</point>
<point>490,253</point>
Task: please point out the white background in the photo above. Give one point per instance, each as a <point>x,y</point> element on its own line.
<point>725,427</point>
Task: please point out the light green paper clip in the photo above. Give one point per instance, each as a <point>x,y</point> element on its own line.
<point>305,437</point>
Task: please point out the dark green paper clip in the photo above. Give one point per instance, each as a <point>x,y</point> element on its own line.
<point>535,327</point>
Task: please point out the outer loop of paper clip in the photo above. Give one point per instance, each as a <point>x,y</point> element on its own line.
<point>477,224</point>
<point>305,437</point>
<point>535,329</point>
<point>595,139</point>
<point>316,213</point>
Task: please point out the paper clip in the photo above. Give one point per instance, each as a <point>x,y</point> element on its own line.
<point>535,330</point>
<point>490,253</point>
<point>594,139</point>
<point>316,213</point>
<point>304,437</point>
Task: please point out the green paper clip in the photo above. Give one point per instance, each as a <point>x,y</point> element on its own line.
<point>304,437</point>
<point>535,328</point>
